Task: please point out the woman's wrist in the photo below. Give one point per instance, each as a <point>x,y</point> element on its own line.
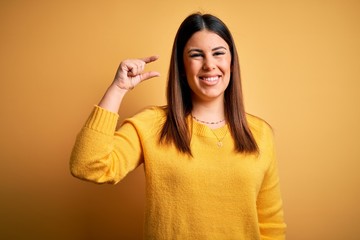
<point>112,98</point>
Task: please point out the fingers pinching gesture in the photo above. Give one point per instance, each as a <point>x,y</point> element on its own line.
<point>131,72</point>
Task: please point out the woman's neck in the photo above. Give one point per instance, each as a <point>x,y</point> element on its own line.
<point>209,113</point>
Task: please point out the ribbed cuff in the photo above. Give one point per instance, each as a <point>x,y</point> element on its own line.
<point>102,120</point>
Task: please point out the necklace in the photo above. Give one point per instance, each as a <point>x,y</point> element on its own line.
<point>219,140</point>
<point>206,121</point>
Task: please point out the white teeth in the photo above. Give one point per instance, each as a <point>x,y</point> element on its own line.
<point>210,79</point>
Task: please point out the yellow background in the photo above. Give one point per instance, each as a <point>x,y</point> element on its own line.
<point>300,63</point>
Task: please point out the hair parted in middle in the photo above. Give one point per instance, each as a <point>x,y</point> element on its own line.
<point>179,105</point>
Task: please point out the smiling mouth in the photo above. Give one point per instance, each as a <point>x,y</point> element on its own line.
<point>210,79</point>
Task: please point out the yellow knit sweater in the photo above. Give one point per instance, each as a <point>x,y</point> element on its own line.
<point>216,194</point>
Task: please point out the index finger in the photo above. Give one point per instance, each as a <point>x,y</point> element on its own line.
<point>150,59</point>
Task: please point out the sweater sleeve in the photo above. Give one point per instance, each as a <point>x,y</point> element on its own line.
<point>103,155</point>
<point>269,202</point>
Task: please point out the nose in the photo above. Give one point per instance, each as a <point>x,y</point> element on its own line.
<point>208,65</point>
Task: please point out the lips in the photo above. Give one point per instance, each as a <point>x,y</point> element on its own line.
<point>210,79</point>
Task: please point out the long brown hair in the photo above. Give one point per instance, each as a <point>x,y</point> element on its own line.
<point>179,105</point>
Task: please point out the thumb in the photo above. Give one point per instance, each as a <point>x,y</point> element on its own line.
<point>148,75</point>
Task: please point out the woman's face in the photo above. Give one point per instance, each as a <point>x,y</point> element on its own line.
<point>207,61</point>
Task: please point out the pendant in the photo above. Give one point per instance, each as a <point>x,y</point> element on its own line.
<point>219,144</point>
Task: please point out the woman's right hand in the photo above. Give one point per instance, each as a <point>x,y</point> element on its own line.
<point>131,72</point>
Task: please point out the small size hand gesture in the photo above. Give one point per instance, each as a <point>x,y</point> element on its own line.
<point>130,72</point>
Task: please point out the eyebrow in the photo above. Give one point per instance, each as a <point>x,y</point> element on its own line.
<point>214,49</point>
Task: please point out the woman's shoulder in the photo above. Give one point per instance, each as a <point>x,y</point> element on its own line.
<point>151,111</point>
<point>258,126</point>
<point>254,120</point>
<point>149,115</point>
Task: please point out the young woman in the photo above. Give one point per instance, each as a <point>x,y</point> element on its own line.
<point>211,171</point>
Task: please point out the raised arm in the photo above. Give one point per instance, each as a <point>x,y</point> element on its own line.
<point>99,154</point>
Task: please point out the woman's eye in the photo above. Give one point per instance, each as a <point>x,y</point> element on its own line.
<point>195,55</point>
<point>218,53</point>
